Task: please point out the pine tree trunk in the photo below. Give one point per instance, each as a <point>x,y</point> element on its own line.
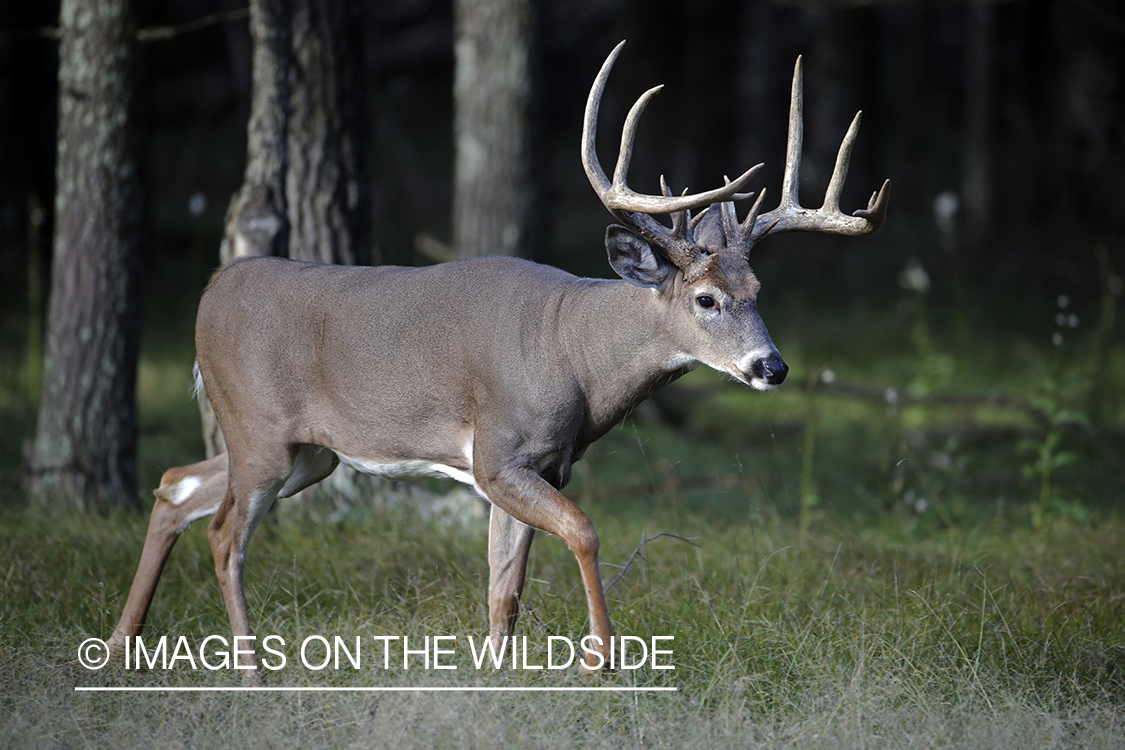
<point>84,453</point>
<point>305,189</point>
<point>493,202</point>
<point>980,102</point>
<point>327,188</point>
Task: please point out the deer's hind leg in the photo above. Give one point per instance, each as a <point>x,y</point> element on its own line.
<point>509,543</point>
<point>185,495</point>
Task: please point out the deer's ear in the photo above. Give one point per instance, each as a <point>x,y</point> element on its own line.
<point>633,259</point>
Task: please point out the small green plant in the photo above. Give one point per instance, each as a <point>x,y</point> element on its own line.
<point>1049,453</point>
<point>809,499</point>
<point>934,370</point>
<point>1047,457</point>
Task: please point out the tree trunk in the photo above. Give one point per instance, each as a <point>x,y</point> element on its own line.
<point>979,107</point>
<point>84,453</point>
<point>304,194</point>
<point>494,195</point>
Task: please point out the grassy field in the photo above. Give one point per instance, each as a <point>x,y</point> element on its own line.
<point>912,544</point>
<point>991,636</point>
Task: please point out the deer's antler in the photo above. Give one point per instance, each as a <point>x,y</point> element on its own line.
<point>677,244</point>
<point>633,209</point>
<point>790,216</point>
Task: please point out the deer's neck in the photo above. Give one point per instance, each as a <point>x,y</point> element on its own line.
<point>620,348</point>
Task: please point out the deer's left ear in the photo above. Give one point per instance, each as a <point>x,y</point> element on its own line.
<point>633,259</point>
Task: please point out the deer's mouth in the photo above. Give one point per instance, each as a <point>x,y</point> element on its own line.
<point>764,371</point>
<point>759,384</point>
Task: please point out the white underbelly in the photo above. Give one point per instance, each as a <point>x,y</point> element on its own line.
<point>408,470</point>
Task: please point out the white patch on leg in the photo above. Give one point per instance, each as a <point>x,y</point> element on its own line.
<point>182,490</point>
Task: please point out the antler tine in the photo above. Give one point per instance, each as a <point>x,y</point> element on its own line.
<point>790,215</point>
<point>746,229</point>
<point>740,235</point>
<point>681,220</point>
<point>628,134</point>
<point>590,163</point>
<point>840,171</point>
<point>697,218</point>
<point>731,228</point>
<point>616,194</point>
<point>876,211</point>
<point>794,144</point>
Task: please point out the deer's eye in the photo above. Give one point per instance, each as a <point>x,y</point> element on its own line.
<point>705,301</point>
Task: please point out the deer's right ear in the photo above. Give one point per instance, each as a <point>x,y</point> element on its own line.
<point>633,259</point>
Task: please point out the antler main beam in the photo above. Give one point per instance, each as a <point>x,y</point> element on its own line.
<point>790,216</point>
<point>616,194</point>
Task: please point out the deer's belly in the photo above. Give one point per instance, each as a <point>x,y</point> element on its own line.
<point>408,470</point>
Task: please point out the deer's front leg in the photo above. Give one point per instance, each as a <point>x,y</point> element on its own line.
<point>528,498</point>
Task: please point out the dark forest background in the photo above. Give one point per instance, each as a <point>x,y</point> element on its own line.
<point>1013,108</point>
<point>1001,125</point>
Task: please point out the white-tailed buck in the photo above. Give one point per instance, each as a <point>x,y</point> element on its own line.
<point>496,372</point>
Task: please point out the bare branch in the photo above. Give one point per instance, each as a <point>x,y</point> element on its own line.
<point>637,551</point>
<point>160,33</point>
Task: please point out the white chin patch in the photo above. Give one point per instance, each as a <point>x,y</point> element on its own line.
<point>746,378</point>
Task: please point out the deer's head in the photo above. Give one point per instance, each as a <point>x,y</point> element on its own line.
<point>700,266</point>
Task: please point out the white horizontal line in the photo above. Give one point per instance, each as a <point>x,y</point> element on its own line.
<point>407,689</point>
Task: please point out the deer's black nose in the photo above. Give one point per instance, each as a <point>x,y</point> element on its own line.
<point>771,369</point>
